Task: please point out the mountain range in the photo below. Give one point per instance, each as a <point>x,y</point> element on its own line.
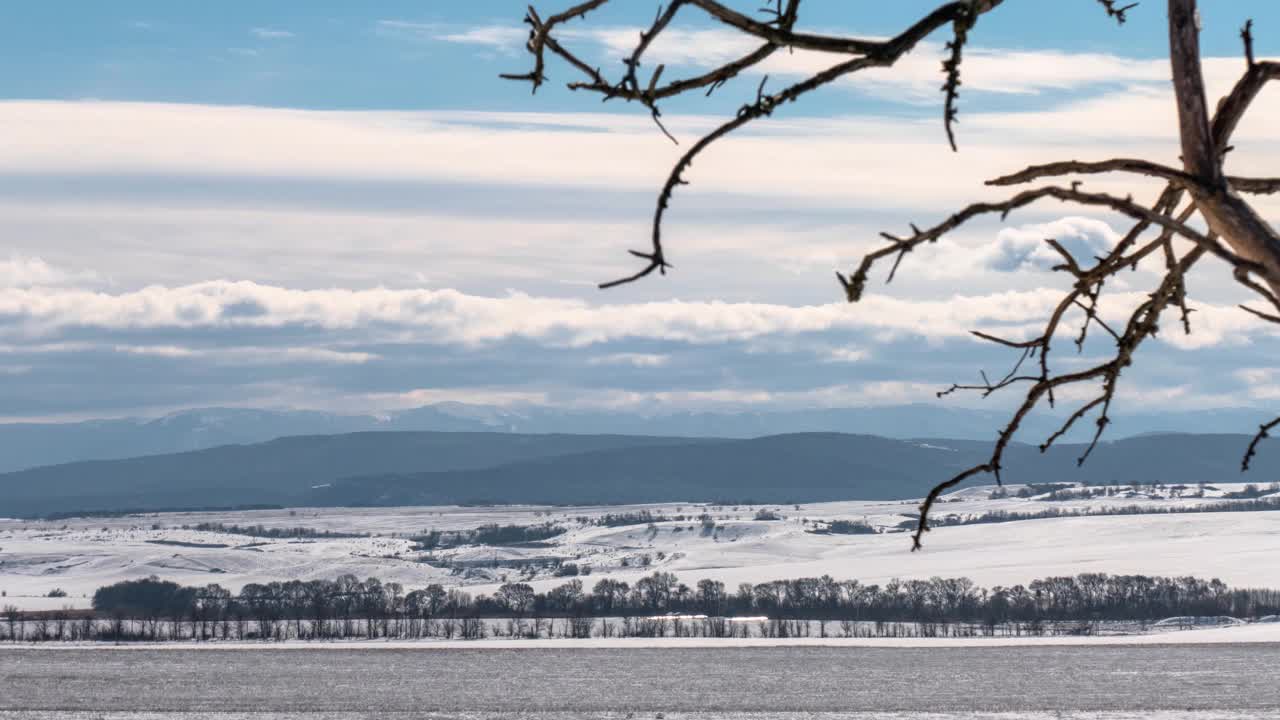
<point>29,445</point>
<point>410,468</point>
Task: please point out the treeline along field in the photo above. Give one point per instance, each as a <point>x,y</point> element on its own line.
<point>152,609</point>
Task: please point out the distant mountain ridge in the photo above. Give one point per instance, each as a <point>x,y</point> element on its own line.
<point>412,468</point>
<point>280,471</point>
<point>33,445</point>
<point>807,467</point>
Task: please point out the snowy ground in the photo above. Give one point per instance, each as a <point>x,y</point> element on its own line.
<point>570,683</point>
<point>80,555</point>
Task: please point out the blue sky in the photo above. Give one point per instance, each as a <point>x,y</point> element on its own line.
<point>393,55</point>
<point>339,205</point>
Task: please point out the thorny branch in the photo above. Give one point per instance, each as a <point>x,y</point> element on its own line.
<point>776,34</point>
<point>1236,234</point>
<point>1119,13</point>
<point>1262,434</point>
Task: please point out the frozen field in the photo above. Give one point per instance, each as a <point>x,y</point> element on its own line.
<point>1210,681</point>
<point>80,555</point>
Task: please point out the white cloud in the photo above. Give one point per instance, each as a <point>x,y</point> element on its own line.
<point>675,46</point>
<point>264,33</point>
<point>164,351</point>
<point>1022,248</point>
<point>857,394</point>
<point>846,355</point>
<point>1256,375</point>
<point>1262,383</point>
<point>476,395</point>
<point>505,38</point>
<point>23,271</point>
<point>717,255</point>
<point>327,281</point>
<point>251,355</point>
<point>452,316</point>
<point>406,25</point>
<point>640,360</point>
<point>498,38</point>
<point>1212,325</point>
<point>868,162</point>
<point>41,348</point>
<point>449,316</point>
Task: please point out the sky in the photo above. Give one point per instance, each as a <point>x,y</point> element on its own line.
<point>340,206</point>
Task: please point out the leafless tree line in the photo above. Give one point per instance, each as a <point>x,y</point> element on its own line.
<point>657,605</point>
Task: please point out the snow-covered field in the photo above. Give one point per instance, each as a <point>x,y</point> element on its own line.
<point>79,555</point>
<point>727,682</point>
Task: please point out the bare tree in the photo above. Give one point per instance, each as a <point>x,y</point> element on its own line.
<point>1237,234</point>
<point>12,615</point>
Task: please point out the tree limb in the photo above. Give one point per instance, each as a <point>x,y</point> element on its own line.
<point>1236,233</point>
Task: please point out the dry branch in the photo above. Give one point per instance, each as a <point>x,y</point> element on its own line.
<point>1236,235</point>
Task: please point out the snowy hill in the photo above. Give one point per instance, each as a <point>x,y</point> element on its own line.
<point>730,545</point>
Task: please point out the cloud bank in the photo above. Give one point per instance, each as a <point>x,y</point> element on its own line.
<point>168,255</point>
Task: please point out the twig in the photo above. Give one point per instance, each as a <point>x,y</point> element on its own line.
<point>1262,434</point>
<point>1119,13</point>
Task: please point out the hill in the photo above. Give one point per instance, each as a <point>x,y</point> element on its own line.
<point>807,467</point>
<point>279,471</point>
<point>28,445</point>
<point>419,468</point>
<point>780,468</point>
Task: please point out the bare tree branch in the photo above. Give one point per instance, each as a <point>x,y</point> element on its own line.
<point>855,284</point>
<point>1255,186</point>
<point>778,34</point>
<point>1208,187</point>
<point>1237,235</point>
<point>1119,13</point>
<point>1262,434</point>
<point>951,67</point>
<point>1258,313</point>
<point>1077,167</point>
<point>540,38</point>
<point>1143,323</point>
<point>1239,225</point>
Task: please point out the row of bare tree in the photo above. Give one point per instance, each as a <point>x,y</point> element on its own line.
<point>347,607</point>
